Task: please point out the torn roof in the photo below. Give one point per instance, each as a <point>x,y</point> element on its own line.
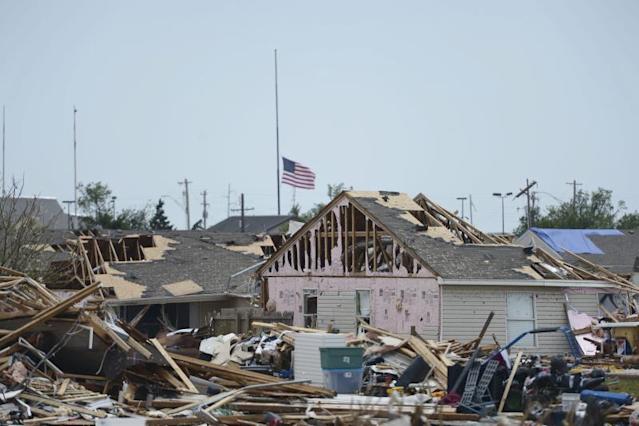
<point>196,256</point>
<point>448,259</point>
<point>613,249</point>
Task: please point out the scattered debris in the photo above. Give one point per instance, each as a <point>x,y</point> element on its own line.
<point>71,360</point>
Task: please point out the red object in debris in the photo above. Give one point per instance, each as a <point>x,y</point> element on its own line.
<point>452,398</point>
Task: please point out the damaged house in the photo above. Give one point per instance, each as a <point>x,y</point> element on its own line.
<point>614,249</point>
<point>173,279</point>
<point>406,264</point>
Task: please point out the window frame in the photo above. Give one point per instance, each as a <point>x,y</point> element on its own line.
<point>312,292</point>
<point>370,304</point>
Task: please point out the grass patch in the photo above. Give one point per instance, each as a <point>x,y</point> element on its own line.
<point>625,384</point>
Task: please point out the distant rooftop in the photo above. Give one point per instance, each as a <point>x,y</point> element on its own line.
<point>254,224</point>
<point>48,211</point>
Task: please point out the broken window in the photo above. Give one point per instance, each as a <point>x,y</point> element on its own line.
<point>363,305</point>
<point>309,308</point>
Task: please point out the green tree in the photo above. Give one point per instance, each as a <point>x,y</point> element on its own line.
<point>589,210</point>
<point>94,199</point>
<point>332,191</point>
<point>296,210</point>
<point>628,221</point>
<point>159,220</point>
<point>131,219</point>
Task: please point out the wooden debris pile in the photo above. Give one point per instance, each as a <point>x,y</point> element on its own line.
<point>611,340</point>
<point>130,375</point>
<point>551,267</point>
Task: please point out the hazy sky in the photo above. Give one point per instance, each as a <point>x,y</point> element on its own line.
<point>445,98</point>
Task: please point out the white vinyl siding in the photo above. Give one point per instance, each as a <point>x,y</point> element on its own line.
<point>520,318</point>
<point>338,308</point>
<point>465,308</point>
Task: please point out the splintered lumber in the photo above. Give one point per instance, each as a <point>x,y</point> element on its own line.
<point>278,326</point>
<point>237,375</point>
<point>436,362</point>
<point>49,313</point>
<point>185,379</point>
<point>104,329</point>
<point>56,403</point>
<point>224,398</point>
<point>510,381</point>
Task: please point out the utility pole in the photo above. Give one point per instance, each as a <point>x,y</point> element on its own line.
<point>187,210</point>
<point>462,199</point>
<point>242,210</point>
<point>4,191</point>
<point>277,137</point>
<point>526,191</point>
<point>69,221</point>
<point>574,185</point>
<point>75,165</point>
<point>205,213</point>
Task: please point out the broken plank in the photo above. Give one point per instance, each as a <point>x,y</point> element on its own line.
<point>49,313</point>
<point>174,366</point>
<point>56,403</point>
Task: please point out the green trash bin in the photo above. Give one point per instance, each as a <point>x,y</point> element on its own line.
<point>341,358</point>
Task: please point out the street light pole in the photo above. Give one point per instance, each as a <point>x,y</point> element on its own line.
<point>502,196</point>
<point>462,199</point>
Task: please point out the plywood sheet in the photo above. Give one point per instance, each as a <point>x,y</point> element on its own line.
<point>162,244</point>
<point>182,288</point>
<point>398,201</point>
<point>123,289</point>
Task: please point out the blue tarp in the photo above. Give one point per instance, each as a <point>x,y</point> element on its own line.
<point>574,240</point>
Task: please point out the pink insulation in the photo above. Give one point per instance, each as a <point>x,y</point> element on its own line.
<point>396,303</point>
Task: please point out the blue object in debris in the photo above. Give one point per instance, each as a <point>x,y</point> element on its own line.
<point>616,397</point>
<point>574,240</point>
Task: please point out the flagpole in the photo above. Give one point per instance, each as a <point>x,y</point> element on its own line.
<point>277,137</point>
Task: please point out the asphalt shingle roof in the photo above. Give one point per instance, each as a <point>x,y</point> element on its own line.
<point>253,224</point>
<point>198,257</point>
<point>449,260</point>
<point>619,252</point>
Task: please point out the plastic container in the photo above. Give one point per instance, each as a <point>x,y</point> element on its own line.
<point>342,358</point>
<point>617,398</point>
<point>343,380</point>
<point>569,401</point>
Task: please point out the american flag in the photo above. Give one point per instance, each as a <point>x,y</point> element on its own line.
<point>297,175</point>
